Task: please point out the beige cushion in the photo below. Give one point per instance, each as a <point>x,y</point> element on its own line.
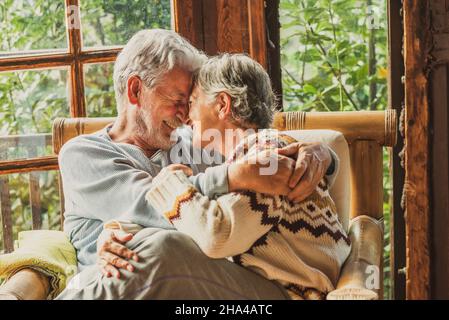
<point>340,190</point>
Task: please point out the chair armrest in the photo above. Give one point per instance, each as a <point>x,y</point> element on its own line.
<point>26,284</point>
<point>361,277</point>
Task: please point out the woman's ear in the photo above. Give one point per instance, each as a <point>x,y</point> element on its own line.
<point>224,105</point>
<point>134,85</point>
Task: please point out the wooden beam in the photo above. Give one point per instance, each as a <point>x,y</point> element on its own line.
<point>55,60</point>
<point>5,208</point>
<point>274,48</point>
<point>76,75</point>
<point>61,200</point>
<point>99,55</point>
<point>35,194</point>
<point>257,31</point>
<point>440,182</point>
<point>231,25</point>
<point>5,203</point>
<point>28,165</point>
<point>210,26</point>
<point>417,195</point>
<point>35,62</point>
<point>379,126</point>
<point>396,102</point>
<point>366,179</point>
<point>188,21</point>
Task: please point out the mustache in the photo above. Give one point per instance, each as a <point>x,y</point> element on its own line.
<point>174,122</point>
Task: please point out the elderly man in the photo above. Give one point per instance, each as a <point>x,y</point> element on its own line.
<point>106,176</point>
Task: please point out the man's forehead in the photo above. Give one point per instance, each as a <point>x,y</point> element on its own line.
<point>174,92</point>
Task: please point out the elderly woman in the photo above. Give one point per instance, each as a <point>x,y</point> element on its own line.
<point>301,246</point>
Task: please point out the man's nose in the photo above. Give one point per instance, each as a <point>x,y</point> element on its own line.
<point>183,113</point>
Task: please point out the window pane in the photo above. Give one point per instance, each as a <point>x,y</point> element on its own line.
<point>32,25</point>
<point>112,22</point>
<point>44,200</point>
<point>99,90</point>
<point>327,63</point>
<point>29,101</point>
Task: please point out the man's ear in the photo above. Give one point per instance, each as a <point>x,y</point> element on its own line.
<point>134,86</point>
<point>224,102</point>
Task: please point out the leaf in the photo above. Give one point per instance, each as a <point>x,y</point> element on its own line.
<point>308,88</point>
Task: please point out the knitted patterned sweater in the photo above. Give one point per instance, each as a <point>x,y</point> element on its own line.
<point>301,245</point>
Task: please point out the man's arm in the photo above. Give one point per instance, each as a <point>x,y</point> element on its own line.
<point>226,178</point>
<point>101,183</point>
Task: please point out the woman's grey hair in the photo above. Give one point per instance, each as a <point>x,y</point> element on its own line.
<point>246,82</point>
<point>150,54</point>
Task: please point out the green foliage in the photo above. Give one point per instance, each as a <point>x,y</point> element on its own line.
<point>99,90</point>
<point>324,53</point>
<point>30,100</point>
<point>112,22</point>
<point>32,25</point>
<point>326,66</point>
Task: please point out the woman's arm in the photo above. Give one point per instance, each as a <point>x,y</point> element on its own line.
<point>223,227</point>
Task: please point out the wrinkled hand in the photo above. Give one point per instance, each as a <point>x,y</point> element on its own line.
<point>312,162</point>
<point>245,174</point>
<point>113,254</point>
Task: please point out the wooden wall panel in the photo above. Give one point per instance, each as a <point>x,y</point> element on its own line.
<point>230,22</point>
<point>396,102</point>
<point>188,21</point>
<point>440,182</point>
<point>439,97</point>
<point>273,45</point>
<point>417,194</point>
<point>257,31</point>
<point>236,26</point>
<point>210,25</point>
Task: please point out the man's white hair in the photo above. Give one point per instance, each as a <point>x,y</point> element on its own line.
<point>150,54</point>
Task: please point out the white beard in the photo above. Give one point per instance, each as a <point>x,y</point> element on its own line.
<point>152,135</point>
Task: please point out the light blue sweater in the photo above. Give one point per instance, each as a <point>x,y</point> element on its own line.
<point>105,180</point>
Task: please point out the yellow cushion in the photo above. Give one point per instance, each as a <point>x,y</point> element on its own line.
<point>47,251</point>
